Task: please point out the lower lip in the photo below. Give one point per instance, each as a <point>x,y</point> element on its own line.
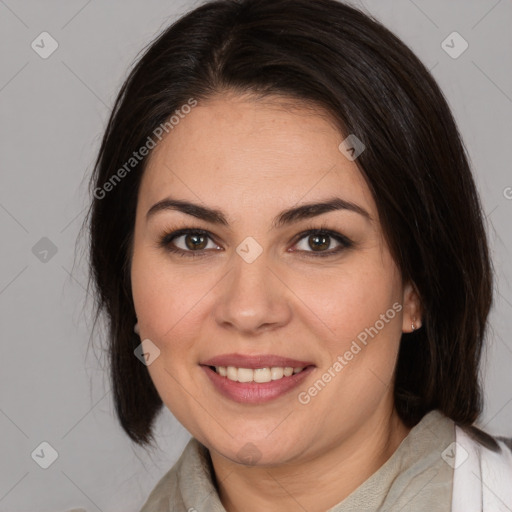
<point>253,392</point>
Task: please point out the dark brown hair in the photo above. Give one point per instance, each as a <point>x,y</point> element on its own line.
<point>326,53</point>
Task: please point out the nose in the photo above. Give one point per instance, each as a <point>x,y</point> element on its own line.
<point>253,297</point>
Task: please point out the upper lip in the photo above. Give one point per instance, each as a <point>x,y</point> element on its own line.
<point>256,361</point>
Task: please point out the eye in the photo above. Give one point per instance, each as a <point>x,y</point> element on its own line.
<point>319,242</point>
<point>186,242</point>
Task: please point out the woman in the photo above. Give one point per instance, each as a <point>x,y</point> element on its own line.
<point>288,245</point>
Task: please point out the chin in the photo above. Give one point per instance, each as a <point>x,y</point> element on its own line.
<point>259,452</point>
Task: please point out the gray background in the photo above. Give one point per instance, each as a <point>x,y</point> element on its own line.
<point>52,113</point>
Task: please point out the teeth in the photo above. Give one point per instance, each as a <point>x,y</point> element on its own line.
<point>260,375</point>
<point>245,374</point>
<point>232,373</point>
<point>276,373</point>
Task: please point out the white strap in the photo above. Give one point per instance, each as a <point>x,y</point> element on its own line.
<point>497,479</point>
<point>482,479</point>
<point>467,485</point>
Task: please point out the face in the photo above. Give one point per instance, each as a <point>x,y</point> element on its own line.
<point>260,292</point>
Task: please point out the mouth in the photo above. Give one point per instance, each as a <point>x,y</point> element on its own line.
<point>255,379</point>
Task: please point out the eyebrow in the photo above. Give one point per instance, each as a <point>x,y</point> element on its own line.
<point>286,217</point>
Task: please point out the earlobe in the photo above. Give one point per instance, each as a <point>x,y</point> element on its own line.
<point>414,325</point>
<point>136,329</point>
<point>412,308</point>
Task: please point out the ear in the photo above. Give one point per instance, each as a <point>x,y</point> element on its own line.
<point>412,308</point>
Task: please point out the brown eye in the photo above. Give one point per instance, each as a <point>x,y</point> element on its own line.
<point>319,242</point>
<point>188,242</point>
<point>195,241</point>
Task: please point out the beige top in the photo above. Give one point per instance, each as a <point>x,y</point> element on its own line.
<point>415,478</point>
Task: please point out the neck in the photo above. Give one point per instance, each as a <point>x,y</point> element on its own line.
<point>315,484</point>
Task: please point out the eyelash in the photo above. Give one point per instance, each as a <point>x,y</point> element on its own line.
<point>166,240</point>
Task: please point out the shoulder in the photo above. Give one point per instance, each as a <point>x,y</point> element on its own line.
<point>166,495</point>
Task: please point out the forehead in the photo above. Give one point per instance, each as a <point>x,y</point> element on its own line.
<point>267,152</point>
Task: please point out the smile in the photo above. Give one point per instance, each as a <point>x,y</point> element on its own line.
<point>255,385</point>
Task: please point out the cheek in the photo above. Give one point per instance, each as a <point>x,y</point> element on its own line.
<point>352,297</point>
<point>362,308</point>
<point>361,305</point>
<point>167,301</point>
<point>167,304</point>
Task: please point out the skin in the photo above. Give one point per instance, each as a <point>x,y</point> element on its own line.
<point>251,159</point>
